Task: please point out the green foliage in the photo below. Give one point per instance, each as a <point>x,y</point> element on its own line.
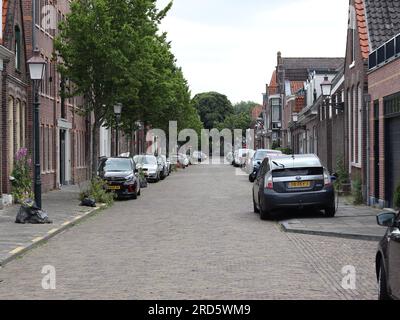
<point>396,197</point>
<point>342,174</point>
<point>244,107</point>
<point>285,150</point>
<point>97,191</point>
<point>357,191</point>
<point>276,145</point>
<point>213,108</point>
<point>235,121</point>
<point>113,52</point>
<point>21,180</point>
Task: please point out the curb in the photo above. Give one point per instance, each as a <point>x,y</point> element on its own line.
<point>355,236</point>
<point>17,252</point>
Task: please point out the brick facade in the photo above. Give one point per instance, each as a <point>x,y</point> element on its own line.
<point>382,82</point>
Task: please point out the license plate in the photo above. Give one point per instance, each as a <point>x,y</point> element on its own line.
<point>114,187</point>
<point>302,184</point>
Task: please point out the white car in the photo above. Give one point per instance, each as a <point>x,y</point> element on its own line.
<point>198,156</point>
<point>239,157</point>
<point>151,166</point>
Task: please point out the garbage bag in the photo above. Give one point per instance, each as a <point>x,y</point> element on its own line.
<point>143,183</point>
<point>87,202</point>
<point>32,215</point>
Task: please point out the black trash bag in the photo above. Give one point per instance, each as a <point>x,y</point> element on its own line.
<point>88,202</point>
<point>32,215</point>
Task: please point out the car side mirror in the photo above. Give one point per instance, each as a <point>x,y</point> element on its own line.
<point>136,170</point>
<point>333,178</point>
<point>258,162</point>
<point>386,219</point>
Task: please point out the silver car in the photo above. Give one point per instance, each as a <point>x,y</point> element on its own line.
<point>151,167</point>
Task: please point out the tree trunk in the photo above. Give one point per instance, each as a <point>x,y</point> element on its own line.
<point>95,147</point>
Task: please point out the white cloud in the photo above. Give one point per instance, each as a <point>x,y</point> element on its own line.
<point>235,52</point>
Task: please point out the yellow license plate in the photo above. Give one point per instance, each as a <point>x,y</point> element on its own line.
<point>113,187</point>
<point>302,184</point>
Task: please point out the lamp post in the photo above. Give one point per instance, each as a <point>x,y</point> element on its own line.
<point>326,88</point>
<point>37,66</point>
<point>117,112</point>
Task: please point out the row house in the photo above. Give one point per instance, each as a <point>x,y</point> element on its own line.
<point>290,76</point>
<point>317,123</point>
<point>369,123</point>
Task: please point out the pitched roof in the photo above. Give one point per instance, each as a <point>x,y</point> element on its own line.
<point>297,69</point>
<point>273,85</point>
<point>5,6</point>
<point>383,19</point>
<point>362,27</point>
<point>296,86</point>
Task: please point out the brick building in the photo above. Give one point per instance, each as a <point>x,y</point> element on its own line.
<point>384,122</point>
<point>288,78</point>
<point>371,23</point>
<point>14,91</point>
<point>319,124</point>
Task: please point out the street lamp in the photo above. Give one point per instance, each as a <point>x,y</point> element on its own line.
<point>326,87</point>
<point>37,66</point>
<point>117,112</point>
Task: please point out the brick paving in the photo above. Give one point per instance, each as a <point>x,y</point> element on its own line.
<point>192,236</point>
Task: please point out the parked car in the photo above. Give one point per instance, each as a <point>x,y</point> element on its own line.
<point>167,164</point>
<point>253,165</point>
<point>183,159</point>
<point>229,157</point>
<point>150,166</point>
<point>120,175</point>
<point>198,157</point>
<point>239,157</point>
<point>295,181</point>
<point>248,159</point>
<point>388,257</point>
<point>164,167</point>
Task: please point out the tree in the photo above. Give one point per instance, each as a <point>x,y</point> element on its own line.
<point>244,106</point>
<point>111,52</point>
<point>236,121</point>
<point>212,107</point>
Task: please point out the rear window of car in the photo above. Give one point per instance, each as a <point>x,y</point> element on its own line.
<point>290,172</point>
<point>116,165</point>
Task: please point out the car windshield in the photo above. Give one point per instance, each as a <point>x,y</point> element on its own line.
<point>116,165</point>
<point>145,159</point>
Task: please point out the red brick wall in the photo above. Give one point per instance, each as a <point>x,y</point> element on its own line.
<point>381,83</point>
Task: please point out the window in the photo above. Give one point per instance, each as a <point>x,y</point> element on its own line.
<point>350,109</point>
<point>275,114</point>
<point>10,130</point>
<point>18,48</point>
<point>359,124</point>
<point>23,125</point>
<point>17,124</point>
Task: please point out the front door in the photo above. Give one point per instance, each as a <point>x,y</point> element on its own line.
<point>62,157</point>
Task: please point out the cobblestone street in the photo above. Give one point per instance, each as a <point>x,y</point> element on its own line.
<point>192,236</point>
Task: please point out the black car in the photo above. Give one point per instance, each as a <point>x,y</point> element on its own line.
<point>388,257</point>
<point>120,175</point>
<point>297,181</point>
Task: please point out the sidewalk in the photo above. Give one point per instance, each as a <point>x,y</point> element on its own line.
<point>356,222</point>
<point>63,209</point>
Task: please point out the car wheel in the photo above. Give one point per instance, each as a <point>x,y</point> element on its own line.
<point>382,286</point>
<point>330,212</point>
<point>256,210</point>
<point>139,193</point>
<point>264,215</point>
<point>251,178</point>
<point>135,195</point>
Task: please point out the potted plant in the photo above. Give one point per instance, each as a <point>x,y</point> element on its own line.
<point>142,178</point>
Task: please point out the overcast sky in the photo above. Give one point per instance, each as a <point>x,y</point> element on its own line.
<point>230,46</point>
